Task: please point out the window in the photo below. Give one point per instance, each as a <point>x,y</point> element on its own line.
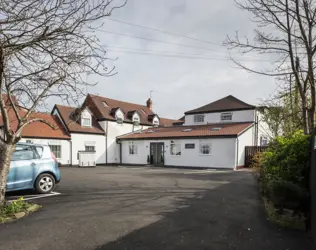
<point>132,148</point>
<point>23,153</point>
<point>56,149</point>
<point>86,122</point>
<point>105,104</point>
<point>119,120</point>
<point>156,122</point>
<point>226,116</point>
<point>90,148</point>
<point>175,149</point>
<point>136,120</point>
<point>199,119</point>
<point>263,141</point>
<point>29,141</point>
<point>205,148</point>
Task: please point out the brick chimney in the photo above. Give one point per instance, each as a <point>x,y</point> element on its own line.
<point>149,104</point>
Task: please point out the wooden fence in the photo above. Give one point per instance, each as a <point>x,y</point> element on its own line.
<point>250,152</point>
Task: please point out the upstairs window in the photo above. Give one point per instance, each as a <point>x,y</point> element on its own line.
<point>136,120</point>
<point>90,148</point>
<point>86,122</point>
<point>198,118</point>
<point>119,120</point>
<point>263,140</point>
<point>226,116</point>
<point>156,123</point>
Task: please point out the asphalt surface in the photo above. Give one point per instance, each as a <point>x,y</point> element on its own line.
<point>142,208</point>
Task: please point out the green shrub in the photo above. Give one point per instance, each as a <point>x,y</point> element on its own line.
<point>287,159</point>
<point>287,195</point>
<point>14,207</point>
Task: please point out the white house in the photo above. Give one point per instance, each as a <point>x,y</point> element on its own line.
<point>95,126</point>
<point>213,136</point>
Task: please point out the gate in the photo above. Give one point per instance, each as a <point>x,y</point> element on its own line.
<point>251,151</point>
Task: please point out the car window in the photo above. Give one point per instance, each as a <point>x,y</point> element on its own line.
<point>23,153</point>
<point>38,151</point>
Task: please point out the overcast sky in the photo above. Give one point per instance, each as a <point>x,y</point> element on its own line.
<point>179,80</point>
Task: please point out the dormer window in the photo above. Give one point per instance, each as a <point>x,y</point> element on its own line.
<point>119,120</point>
<point>156,122</point>
<point>86,118</point>
<point>86,122</point>
<point>105,104</point>
<point>198,119</point>
<point>136,120</point>
<point>228,116</point>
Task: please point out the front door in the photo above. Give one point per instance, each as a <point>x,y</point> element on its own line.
<point>157,153</point>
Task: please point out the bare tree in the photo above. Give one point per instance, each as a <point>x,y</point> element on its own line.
<point>285,31</point>
<point>47,47</point>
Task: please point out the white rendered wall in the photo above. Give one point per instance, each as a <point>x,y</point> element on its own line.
<point>113,130</point>
<point>78,144</point>
<point>65,147</point>
<point>245,139</point>
<point>238,116</point>
<point>223,153</point>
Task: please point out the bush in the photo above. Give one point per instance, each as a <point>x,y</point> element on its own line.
<point>287,195</point>
<point>287,160</point>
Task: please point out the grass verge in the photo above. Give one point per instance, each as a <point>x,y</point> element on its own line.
<point>285,219</point>
<point>16,210</point>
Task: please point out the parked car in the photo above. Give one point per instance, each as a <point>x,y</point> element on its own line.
<point>33,167</point>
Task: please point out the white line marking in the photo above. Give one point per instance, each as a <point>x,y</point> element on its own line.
<point>33,197</point>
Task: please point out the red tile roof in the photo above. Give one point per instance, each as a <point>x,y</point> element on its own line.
<point>38,129</point>
<point>72,125</point>
<point>102,107</point>
<point>227,103</point>
<point>209,130</point>
<point>165,122</point>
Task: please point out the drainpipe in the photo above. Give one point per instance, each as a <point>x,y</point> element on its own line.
<point>106,142</point>
<point>237,142</point>
<point>70,162</point>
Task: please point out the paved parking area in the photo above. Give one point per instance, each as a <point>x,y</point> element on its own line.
<point>150,208</point>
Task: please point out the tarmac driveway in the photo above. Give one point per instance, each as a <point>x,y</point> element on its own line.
<point>150,208</point>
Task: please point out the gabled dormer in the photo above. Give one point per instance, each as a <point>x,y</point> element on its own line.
<point>134,116</point>
<point>118,114</point>
<point>86,118</point>
<point>154,119</point>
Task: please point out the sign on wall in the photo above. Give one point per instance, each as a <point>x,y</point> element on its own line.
<point>189,146</point>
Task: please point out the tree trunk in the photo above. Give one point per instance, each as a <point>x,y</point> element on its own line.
<point>6,151</point>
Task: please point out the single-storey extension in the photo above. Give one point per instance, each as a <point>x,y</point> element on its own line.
<point>220,145</point>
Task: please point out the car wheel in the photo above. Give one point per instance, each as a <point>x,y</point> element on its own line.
<point>45,183</point>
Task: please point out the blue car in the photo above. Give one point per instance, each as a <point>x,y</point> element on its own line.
<point>33,167</point>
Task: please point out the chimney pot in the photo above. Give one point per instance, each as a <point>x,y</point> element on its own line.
<point>149,104</point>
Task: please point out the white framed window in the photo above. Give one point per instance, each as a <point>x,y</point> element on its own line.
<point>29,141</point>
<point>136,120</point>
<point>199,118</point>
<point>86,122</point>
<point>205,148</point>
<point>90,148</point>
<point>119,120</point>
<point>56,149</point>
<point>132,148</point>
<point>228,116</point>
<point>263,140</point>
<point>175,149</point>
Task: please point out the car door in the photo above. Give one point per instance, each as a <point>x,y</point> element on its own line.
<point>22,169</point>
